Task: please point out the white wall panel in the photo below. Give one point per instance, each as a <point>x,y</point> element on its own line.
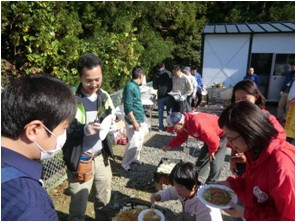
<point>274,43</point>
<point>225,58</point>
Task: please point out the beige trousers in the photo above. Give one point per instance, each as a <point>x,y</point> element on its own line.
<point>281,109</point>
<point>101,183</point>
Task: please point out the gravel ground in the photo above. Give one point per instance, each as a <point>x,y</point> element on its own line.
<point>136,186</point>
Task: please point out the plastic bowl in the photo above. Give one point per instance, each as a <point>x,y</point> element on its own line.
<point>143,212</point>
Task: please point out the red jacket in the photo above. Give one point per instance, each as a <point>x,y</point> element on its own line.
<point>276,125</point>
<point>201,126</point>
<point>267,188</point>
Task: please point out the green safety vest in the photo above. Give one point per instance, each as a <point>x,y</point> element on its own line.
<point>80,113</point>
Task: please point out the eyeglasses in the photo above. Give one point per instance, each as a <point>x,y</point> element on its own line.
<point>230,140</point>
<point>90,82</point>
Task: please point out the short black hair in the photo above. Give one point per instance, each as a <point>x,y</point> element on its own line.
<point>160,65</point>
<point>36,97</point>
<point>137,72</point>
<point>176,67</point>
<point>185,174</point>
<point>88,61</point>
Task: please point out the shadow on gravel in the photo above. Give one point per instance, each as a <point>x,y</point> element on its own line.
<point>64,217</point>
<point>158,140</point>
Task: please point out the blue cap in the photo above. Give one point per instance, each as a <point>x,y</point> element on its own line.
<point>186,68</point>
<point>174,118</point>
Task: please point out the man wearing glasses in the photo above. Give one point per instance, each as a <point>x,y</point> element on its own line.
<point>84,145</point>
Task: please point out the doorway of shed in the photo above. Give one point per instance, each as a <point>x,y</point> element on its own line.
<point>270,67</point>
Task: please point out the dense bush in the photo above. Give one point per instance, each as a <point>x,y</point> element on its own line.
<point>50,36</point>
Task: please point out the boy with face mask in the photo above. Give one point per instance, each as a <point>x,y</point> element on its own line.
<point>34,118</point>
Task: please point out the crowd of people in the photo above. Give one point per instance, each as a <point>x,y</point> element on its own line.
<point>37,123</point>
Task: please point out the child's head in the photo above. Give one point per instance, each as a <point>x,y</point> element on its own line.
<point>247,90</point>
<point>184,177</point>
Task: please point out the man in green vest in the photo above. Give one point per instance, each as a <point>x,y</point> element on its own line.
<point>85,153</point>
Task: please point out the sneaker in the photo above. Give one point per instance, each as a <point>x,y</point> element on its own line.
<point>127,169</point>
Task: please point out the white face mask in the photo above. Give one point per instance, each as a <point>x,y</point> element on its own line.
<point>50,153</point>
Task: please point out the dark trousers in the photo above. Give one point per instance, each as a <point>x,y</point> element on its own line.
<point>215,166</point>
<point>190,100</point>
<point>179,106</point>
<point>198,97</point>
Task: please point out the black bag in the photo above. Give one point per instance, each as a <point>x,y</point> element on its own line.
<point>72,151</point>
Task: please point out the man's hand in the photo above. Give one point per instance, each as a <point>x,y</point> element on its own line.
<point>136,126</point>
<point>211,156</point>
<point>182,98</point>
<point>237,158</point>
<point>166,148</point>
<point>92,128</point>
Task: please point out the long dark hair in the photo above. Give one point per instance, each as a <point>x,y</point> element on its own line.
<point>250,87</point>
<point>251,123</point>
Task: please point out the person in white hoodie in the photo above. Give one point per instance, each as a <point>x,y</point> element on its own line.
<point>184,178</point>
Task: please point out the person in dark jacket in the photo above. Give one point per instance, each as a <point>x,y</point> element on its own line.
<point>85,145</point>
<point>290,78</point>
<point>162,82</point>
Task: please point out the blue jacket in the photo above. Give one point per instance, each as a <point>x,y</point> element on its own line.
<point>255,78</point>
<point>198,80</point>
<point>24,198</point>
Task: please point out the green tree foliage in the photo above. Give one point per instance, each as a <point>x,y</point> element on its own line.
<point>51,36</point>
<point>250,11</point>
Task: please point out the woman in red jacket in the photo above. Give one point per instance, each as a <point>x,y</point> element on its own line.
<point>267,188</point>
<point>203,127</point>
<point>247,90</point>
